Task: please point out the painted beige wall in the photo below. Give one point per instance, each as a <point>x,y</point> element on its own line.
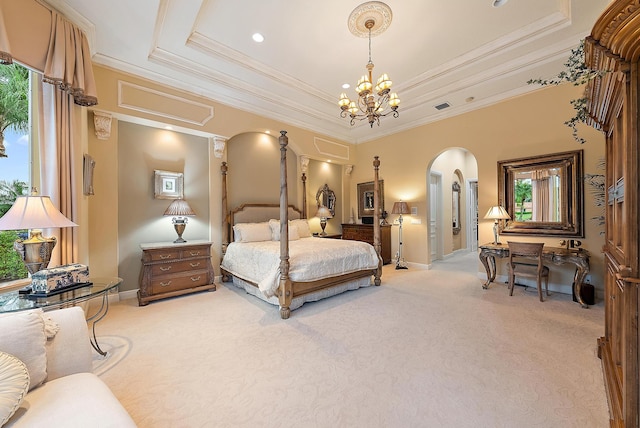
<point>523,126</point>
<point>321,173</point>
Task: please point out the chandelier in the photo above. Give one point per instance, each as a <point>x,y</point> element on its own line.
<point>372,102</point>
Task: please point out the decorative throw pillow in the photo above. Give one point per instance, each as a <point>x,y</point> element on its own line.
<point>14,384</point>
<point>254,232</point>
<point>294,233</point>
<point>22,334</point>
<point>304,231</point>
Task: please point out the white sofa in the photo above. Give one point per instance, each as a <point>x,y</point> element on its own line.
<point>66,393</point>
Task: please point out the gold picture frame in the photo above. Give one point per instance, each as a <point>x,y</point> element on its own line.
<point>365,199</point>
<point>168,185</point>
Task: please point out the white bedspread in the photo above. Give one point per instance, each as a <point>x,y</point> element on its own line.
<point>310,259</point>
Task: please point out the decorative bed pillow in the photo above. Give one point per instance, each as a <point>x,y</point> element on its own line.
<point>304,231</point>
<point>22,334</point>
<point>253,232</point>
<point>294,233</point>
<point>14,384</point>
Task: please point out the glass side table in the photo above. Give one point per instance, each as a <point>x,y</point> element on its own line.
<point>12,301</point>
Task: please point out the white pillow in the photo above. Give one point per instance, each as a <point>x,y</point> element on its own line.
<point>22,334</point>
<point>294,233</point>
<point>253,232</point>
<point>304,231</point>
<point>14,384</point>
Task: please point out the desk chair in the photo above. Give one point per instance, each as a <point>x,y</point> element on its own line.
<point>518,252</point>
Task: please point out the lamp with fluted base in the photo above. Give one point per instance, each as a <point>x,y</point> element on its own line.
<point>497,213</point>
<point>35,213</point>
<point>324,214</point>
<point>180,209</point>
<point>400,208</point>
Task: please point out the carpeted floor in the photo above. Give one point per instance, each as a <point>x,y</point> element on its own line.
<point>425,349</point>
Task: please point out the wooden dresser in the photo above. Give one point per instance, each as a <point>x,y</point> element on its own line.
<point>613,107</point>
<point>170,269</point>
<point>364,232</point>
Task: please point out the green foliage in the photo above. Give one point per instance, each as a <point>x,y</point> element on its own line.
<point>523,193</point>
<point>11,264</point>
<point>577,73</point>
<point>14,100</point>
<point>9,192</point>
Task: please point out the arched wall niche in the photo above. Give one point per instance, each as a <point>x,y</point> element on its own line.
<point>253,159</point>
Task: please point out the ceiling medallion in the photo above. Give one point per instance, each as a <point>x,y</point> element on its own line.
<point>368,20</point>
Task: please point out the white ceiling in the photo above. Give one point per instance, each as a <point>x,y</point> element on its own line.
<point>434,51</point>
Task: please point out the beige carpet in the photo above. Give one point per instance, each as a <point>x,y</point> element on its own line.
<point>426,349</point>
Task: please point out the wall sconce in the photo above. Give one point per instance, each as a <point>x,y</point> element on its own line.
<point>34,213</point>
<point>497,213</point>
<point>179,208</point>
<point>400,208</point>
<point>324,214</point>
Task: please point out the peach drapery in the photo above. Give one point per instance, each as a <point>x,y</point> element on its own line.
<point>55,47</point>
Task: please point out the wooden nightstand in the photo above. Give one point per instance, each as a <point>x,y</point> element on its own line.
<point>170,270</point>
<point>364,232</point>
<point>330,236</point>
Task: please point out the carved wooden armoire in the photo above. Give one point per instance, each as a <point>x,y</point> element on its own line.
<point>614,49</point>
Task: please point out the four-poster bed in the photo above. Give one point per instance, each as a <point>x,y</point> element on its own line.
<point>301,268</point>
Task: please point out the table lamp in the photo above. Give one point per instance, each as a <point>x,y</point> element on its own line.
<point>35,213</point>
<point>497,213</point>
<point>400,208</point>
<point>324,214</point>
<point>179,208</point>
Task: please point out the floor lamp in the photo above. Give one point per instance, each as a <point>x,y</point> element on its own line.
<point>400,208</point>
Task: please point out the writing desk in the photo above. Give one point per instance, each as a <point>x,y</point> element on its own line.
<point>555,255</point>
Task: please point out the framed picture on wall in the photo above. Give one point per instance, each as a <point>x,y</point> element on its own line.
<point>168,185</point>
<point>365,199</point>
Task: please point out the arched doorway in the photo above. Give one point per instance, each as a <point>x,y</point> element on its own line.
<point>452,179</point>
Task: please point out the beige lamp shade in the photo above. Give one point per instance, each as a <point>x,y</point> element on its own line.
<point>400,208</point>
<point>497,213</point>
<point>179,207</point>
<point>323,212</point>
<point>33,212</point>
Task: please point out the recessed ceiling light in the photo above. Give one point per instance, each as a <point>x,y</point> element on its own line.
<point>498,3</point>
<point>346,86</point>
<point>469,99</point>
<point>168,128</point>
<point>258,38</point>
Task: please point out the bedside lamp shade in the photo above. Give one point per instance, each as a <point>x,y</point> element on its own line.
<point>179,208</point>
<point>35,213</point>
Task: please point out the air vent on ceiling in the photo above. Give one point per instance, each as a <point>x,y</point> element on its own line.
<point>443,106</point>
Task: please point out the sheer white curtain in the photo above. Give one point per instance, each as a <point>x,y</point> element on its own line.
<point>58,152</point>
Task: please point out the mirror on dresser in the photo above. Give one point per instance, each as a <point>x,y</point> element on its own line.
<point>543,194</point>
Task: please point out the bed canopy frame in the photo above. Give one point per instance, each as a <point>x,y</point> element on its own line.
<point>288,289</point>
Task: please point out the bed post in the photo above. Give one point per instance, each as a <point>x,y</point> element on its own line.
<point>225,220</point>
<point>376,219</point>
<point>285,289</point>
<point>304,195</point>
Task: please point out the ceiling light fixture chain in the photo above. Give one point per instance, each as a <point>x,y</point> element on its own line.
<point>367,106</point>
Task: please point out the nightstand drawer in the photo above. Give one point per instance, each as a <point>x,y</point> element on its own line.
<point>179,282</point>
<point>163,255</point>
<point>187,265</point>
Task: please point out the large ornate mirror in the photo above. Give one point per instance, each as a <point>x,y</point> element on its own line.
<point>326,197</point>
<point>543,194</point>
<point>455,207</point>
